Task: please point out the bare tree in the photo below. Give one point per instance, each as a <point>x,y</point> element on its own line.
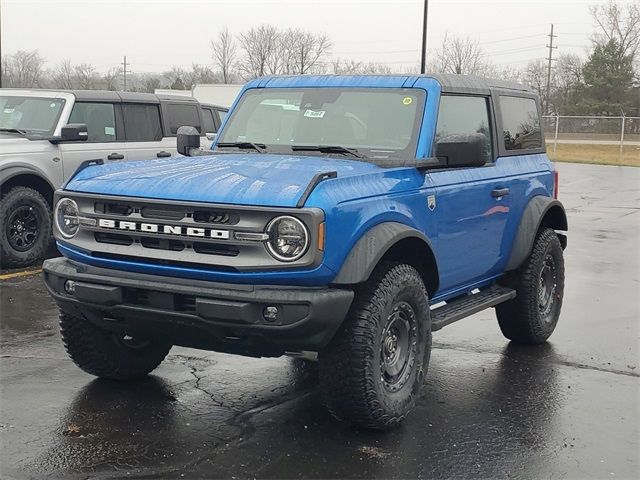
<point>352,67</point>
<point>64,76</point>
<point>260,47</point>
<point>151,82</point>
<point>224,54</point>
<point>23,69</point>
<point>619,23</point>
<point>112,79</point>
<point>86,76</point>
<point>198,74</point>
<point>175,78</point>
<point>535,75</point>
<point>306,49</point>
<point>460,55</point>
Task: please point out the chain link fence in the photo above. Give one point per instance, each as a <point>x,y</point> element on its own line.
<point>593,130</point>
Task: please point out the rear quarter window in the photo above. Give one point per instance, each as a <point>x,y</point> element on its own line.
<point>181,115</point>
<point>520,123</point>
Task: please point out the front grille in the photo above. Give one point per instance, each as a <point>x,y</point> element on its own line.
<point>113,238</point>
<point>109,208</point>
<point>194,235</point>
<point>163,244</point>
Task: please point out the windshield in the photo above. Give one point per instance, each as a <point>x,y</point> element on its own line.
<point>374,122</point>
<point>32,115</point>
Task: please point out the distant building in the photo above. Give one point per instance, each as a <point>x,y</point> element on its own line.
<point>214,93</point>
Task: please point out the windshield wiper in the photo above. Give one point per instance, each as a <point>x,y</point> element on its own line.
<point>327,149</point>
<point>15,130</point>
<point>258,147</point>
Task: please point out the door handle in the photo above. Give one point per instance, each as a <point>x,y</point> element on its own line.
<point>115,156</point>
<point>499,192</point>
<point>163,154</point>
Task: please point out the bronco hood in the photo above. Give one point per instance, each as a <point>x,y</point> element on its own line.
<point>240,179</point>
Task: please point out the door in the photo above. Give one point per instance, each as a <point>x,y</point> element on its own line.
<point>144,137</point>
<point>471,204</point>
<point>105,136</point>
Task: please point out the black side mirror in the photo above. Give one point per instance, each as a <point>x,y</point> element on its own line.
<point>74,132</point>
<point>188,140</point>
<point>463,150</point>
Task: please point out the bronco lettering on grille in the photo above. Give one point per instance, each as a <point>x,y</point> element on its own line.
<point>141,227</point>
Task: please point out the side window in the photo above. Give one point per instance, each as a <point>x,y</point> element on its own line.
<point>222,115</point>
<point>183,114</point>
<point>142,122</point>
<point>100,119</point>
<point>208,123</point>
<point>520,123</point>
<point>459,114</point>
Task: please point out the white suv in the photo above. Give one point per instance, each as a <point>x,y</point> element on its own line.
<point>45,136</point>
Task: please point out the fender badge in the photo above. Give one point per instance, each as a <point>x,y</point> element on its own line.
<point>431,202</point>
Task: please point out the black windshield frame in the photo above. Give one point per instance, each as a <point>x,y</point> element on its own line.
<point>372,152</point>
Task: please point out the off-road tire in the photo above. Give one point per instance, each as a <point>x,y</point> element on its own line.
<point>350,367</point>
<point>102,353</point>
<point>521,319</point>
<point>24,197</point>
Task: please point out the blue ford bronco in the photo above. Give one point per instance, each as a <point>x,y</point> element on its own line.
<point>346,217</point>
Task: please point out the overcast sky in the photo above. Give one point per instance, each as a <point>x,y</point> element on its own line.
<point>155,34</point>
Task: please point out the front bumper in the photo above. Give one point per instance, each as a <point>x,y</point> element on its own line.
<point>214,316</point>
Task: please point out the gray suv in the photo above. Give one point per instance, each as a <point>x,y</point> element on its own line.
<point>45,136</point>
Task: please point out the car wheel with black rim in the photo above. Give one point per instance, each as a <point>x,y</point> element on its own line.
<point>373,370</point>
<point>25,227</point>
<point>110,354</point>
<point>532,316</point>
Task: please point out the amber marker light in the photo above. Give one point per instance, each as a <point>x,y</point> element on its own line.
<point>321,237</point>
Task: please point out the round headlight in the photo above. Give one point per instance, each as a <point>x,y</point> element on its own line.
<point>288,238</point>
<point>67,217</point>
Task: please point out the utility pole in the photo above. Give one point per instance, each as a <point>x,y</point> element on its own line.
<point>550,59</point>
<point>423,58</point>
<point>124,72</point>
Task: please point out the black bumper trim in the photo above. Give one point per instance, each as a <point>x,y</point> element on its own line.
<point>193,313</point>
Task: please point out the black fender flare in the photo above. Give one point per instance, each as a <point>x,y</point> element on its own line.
<point>371,247</point>
<point>12,171</point>
<point>538,208</point>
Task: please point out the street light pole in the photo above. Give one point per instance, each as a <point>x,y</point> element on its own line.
<point>423,58</point>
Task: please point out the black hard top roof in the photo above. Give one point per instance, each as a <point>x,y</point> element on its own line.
<point>138,97</point>
<point>474,84</point>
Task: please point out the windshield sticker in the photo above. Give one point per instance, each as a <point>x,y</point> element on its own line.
<point>407,100</point>
<point>53,105</point>
<point>314,113</point>
<point>109,131</point>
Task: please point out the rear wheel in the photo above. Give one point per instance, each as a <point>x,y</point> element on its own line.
<point>25,227</point>
<point>373,370</point>
<point>107,354</point>
<point>532,316</point>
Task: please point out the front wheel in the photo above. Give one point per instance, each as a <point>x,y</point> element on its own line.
<point>25,227</point>
<point>373,370</point>
<point>532,316</point>
<point>108,354</point>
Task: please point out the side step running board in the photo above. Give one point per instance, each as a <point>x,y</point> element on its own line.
<point>468,305</point>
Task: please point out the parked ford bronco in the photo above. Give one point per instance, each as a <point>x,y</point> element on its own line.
<point>46,135</point>
<point>349,216</point>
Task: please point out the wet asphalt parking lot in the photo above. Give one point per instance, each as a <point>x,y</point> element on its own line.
<point>566,409</point>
